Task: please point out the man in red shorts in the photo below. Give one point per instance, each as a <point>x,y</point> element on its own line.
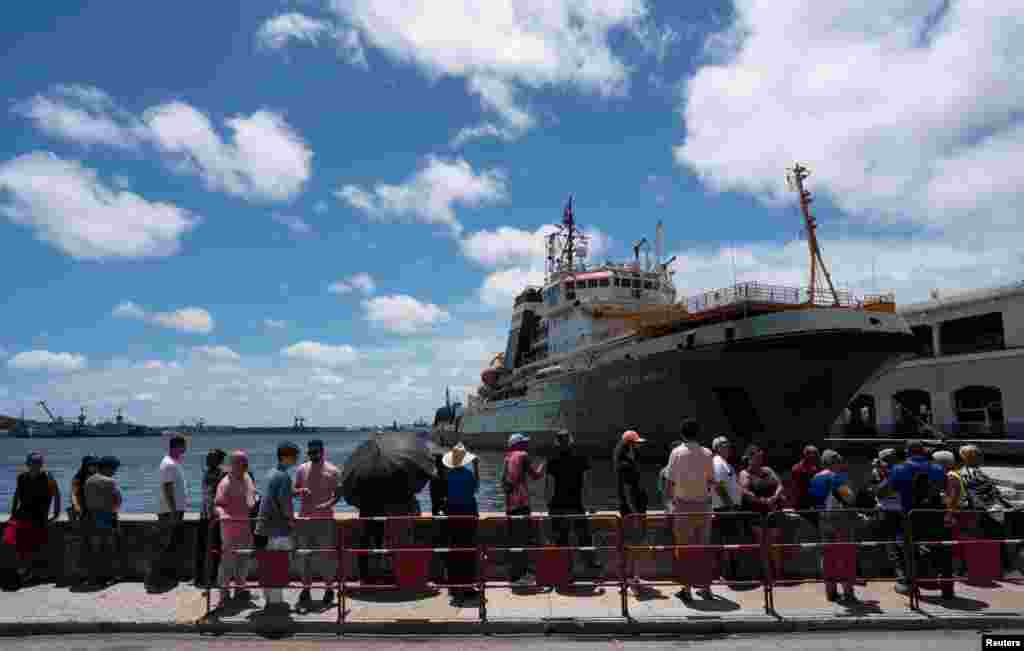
<point>27,528</point>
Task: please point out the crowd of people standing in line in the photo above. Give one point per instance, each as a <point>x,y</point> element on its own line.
<point>697,483</point>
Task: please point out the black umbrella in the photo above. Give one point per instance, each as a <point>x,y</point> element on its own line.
<point>388,468</point>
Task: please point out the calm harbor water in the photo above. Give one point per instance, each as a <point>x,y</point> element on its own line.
<point>140,459</point>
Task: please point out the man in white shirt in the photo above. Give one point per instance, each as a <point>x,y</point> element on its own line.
<point>164,571</point>
<point>690,470</point>
<point>725,502</point>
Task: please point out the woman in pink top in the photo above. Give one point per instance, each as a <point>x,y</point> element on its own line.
<point>236,496</point>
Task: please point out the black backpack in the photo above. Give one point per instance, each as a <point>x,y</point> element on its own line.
<point>925,493</point>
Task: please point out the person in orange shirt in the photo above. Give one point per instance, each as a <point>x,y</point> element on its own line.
<point>690,476</point>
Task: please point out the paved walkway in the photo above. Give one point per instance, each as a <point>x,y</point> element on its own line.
<point>127,607</point>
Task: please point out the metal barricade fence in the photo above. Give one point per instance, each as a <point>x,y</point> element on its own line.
<point>971,546</point>
<point>836,541</point>
<point>311,539</point>
<point>412,564</point>
<point>626,545</point>
<point>546,548</point>
<point>686,536</point>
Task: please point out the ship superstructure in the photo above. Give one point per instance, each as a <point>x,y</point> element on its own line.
<point>603,347</point>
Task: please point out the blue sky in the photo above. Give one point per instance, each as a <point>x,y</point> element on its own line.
<point>243,211</point>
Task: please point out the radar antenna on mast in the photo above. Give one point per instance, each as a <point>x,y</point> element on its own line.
<point>566,245</point>
<point>795,181</point>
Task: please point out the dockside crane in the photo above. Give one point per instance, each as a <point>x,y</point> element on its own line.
<point>54,419</point>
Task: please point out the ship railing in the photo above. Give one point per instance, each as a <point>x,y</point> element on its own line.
<point>783,295</point>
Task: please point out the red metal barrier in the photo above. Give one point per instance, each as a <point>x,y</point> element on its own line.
<point>273,566</point>
<point>695,564</point>
<point>981,557</point>
<point>554,563</point>
<point>411,563</point>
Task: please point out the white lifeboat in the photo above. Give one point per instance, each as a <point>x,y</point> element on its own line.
<point>549,370</point>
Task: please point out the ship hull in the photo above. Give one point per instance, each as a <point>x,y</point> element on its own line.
<point>781,391</point>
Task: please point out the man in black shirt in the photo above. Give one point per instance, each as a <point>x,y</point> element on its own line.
<point>27,528</point>
<point>567,484</point>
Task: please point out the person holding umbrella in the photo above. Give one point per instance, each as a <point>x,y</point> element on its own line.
<point>381,478</point>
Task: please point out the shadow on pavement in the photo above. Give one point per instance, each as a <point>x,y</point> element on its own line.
<point>956,603</point>
<point>387,595</point>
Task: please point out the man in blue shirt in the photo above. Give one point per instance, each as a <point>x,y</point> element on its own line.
<point>901,479</point>
<point>829,491</point>
<point>277,511</point>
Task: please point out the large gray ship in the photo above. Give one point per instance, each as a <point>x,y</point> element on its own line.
<point>602,348</point>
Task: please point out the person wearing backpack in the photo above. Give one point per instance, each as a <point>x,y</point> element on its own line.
<point>969,488</point>
<point>919,483</point>
<point>830,493</point>
<point>517,470</point>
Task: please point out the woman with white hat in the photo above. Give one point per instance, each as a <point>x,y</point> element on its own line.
<point>463,475</point>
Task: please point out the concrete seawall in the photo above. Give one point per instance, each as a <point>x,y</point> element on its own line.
<point>139,540</point>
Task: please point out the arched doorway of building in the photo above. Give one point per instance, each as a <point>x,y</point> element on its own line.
<point>913,408</point>
<point>862,419</point>
<point>979,410</point>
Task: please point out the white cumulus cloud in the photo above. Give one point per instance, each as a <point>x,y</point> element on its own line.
<point>326,355</point>
<point>263,159</point>
<point>404,314</point>
<point>904,110</point>
<point>430,195</point>
<point>216,354</point>
<point>361,281</point>
<point>69,207</point>
<point>503,48</point>
<point>501,287</point>
<point>84,114</point>
<point>279,31</point>
<point>195,320</point>
<point>44,360</point>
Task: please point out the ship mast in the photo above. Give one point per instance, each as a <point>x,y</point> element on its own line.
<point>565,244</point>
<point>796,181</point>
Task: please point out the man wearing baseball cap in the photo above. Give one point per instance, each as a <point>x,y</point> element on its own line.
<point>517,470</point>
<point>103,501</point>
<point>27,530</point>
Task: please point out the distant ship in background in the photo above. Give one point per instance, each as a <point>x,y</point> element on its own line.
<point>604,348</point>
<point>79,428</point>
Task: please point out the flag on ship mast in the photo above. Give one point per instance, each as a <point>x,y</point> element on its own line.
<point>567,213</point>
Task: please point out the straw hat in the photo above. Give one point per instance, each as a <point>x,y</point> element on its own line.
<point>458,457</point>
